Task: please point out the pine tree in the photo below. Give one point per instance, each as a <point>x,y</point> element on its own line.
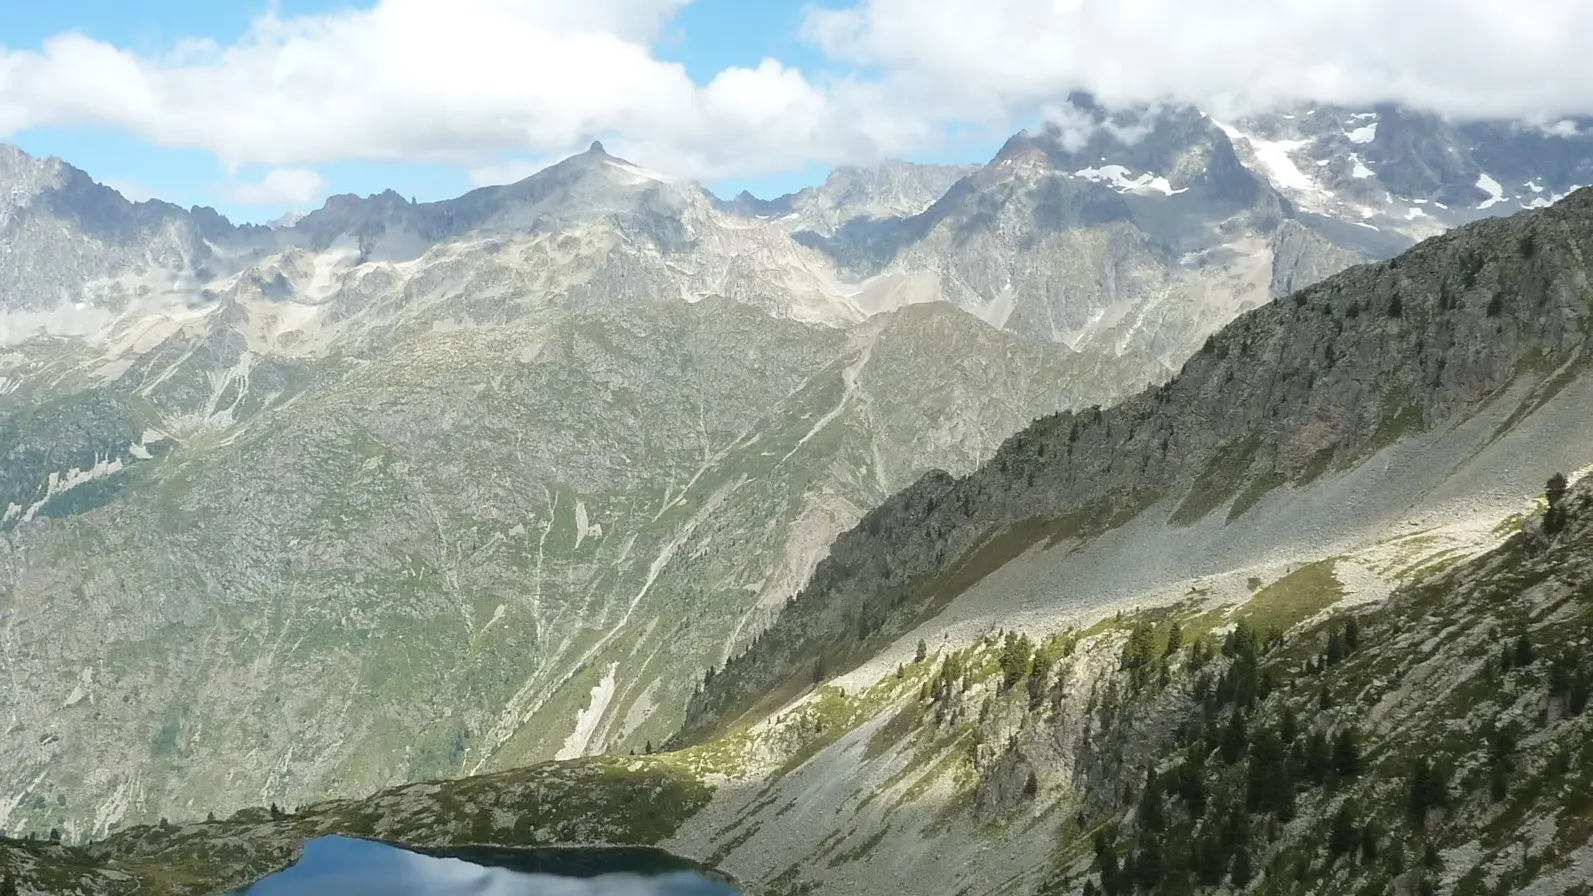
<point>1140,648</point>
<point>1148,866</point>
<point>922,653</point>
<point>1524,652</point>
<point>1498,783</point>
<point>8,885</point>
<point>1556,489</point>
<point>1577,697</point>
<point>1335,649</point>
<point>1347,753</point>
<point>1428,790</point>
<point>1242,872</point>
<point>1017,653</point>
<point>1318,760</point>
<point>1234,739</point>
<point>1269,787</point>
<point>1152,815</point>
<point>1175,639</point>
<point>1288,726</point>
<point>1352,635</point>
<point>1344,836</point>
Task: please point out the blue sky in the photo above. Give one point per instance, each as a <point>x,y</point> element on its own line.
<point>705,36</point>
<point>265,106</point>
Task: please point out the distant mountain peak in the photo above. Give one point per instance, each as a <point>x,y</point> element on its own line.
<point>596,149</point>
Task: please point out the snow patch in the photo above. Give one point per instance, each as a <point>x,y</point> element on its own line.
<point>1274,156</point>
<point>575,746</point>
<point>1117,177</point>
<point>1364,134</point>
<point>1361,172</point>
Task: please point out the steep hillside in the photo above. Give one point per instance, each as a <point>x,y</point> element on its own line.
<point>981,688</point>
<point>1310,732</point>
<point>468,551</point>
<point>1461,339</point>
<point>429,489</point>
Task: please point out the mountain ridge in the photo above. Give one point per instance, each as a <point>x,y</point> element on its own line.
<point>1063,733</point>
<point>943,519</point>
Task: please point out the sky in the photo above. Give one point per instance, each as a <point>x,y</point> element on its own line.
<point>258,107</point>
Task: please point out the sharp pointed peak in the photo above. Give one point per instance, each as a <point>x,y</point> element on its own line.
<point>596,149</point>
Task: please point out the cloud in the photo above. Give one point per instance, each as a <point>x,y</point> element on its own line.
<point>1464,57</point>
<point>471,82</point>
<point>461,81</point>
<point>280,186</point>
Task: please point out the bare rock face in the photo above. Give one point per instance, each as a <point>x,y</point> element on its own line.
<point>422,489</point>
<point>1307,384</point>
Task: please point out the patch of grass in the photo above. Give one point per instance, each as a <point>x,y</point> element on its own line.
<point>1294,598</point>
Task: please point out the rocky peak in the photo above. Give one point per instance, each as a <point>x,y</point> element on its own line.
<point>1418,155</point>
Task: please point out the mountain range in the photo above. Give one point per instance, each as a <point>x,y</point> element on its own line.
<point>398,492</point>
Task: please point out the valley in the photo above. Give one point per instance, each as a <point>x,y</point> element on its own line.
<point>593,509</point>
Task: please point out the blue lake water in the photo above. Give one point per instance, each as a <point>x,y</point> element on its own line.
<point>343,866</point>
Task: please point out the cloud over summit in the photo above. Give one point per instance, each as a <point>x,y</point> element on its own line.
<point>480,82</point>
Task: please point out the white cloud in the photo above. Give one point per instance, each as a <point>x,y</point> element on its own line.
<point>454,80</point>
<point>470,82</point>
<point>280,186</point>
<point>1465,57</point>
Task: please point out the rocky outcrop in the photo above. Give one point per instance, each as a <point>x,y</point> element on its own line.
<point>1314,381</point>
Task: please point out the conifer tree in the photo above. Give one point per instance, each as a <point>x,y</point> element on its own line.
<point>1347,753</point>
<point>1344,837</point>
<point>1235,739</point>
<point>1288,726</point>
<point>1318,759</point>
<point>1242,872</point>
<point>1428,790</point>
<point>1524,652</point>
